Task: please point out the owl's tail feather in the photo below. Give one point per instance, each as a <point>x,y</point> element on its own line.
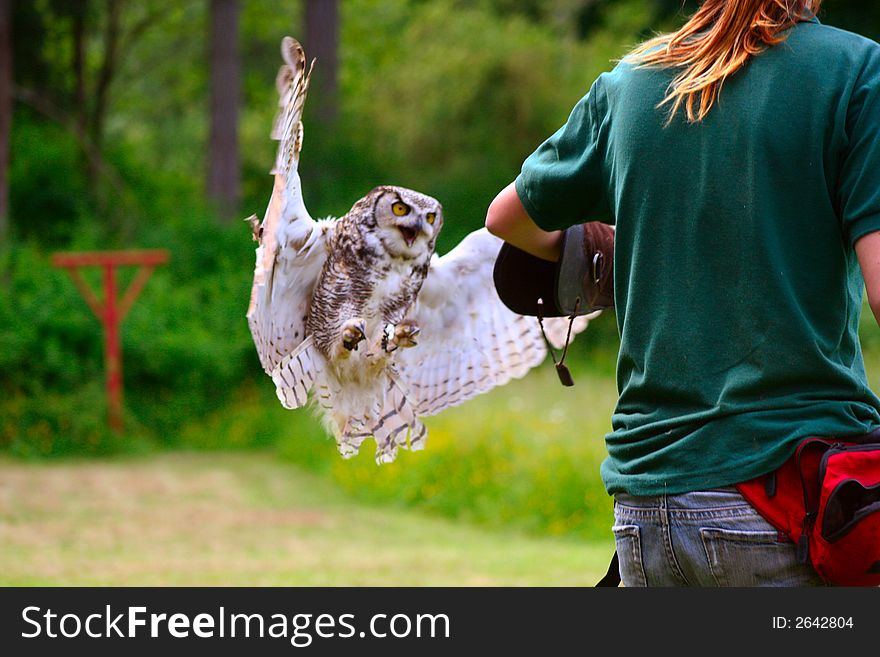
<point>349,441</point>
<point>394,424</point>
<point>295,374</point>
<point>397,422</point>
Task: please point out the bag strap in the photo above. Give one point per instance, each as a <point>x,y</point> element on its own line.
<point>561,368</point>
<point>808,455</point>
<point>612,577</point>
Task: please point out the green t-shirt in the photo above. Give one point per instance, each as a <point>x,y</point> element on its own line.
<point>737,289</point>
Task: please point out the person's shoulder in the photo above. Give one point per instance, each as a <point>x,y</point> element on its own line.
<point>624,70</point>
<point>830,53</point>
<point>830,40</point>
<point>627,80</point>
<point>832,34</point>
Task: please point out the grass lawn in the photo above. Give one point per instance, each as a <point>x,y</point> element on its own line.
<point>243,519</point>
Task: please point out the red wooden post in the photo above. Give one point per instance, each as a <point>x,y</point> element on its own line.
<point>111,311</point>
<point>112,355</point>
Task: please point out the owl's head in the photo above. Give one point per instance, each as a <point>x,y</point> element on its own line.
<point>407,222</point>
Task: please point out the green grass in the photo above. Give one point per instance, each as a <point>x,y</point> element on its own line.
<point>526,455</point>
<point>523,456</point>
<point>247,519</point>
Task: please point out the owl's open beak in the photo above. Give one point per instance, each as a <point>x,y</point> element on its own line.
<point>410,233</point>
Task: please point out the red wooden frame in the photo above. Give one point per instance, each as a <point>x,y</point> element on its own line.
<point>111,311</point>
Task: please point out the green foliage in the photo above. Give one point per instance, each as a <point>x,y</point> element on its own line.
<point>47,187</point>
<point>50,397</point>
<point>187,342</point>
<point>451,98</point>
<point>186,346</point>
<point>72,422</point>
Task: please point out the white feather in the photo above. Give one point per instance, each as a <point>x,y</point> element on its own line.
<point>468,344</point>
<point>467,330</point>
<point>292,246</point>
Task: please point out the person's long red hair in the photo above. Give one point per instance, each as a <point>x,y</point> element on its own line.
<point>715,43</point>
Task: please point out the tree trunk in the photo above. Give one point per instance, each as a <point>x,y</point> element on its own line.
<point>107,72</point>
<point>80,108</point>
<point>5,112</point>
<point>321,43</point>
<point>224,170</point>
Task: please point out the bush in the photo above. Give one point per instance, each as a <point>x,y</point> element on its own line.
<point>186,346</point>
<point>47,185</point>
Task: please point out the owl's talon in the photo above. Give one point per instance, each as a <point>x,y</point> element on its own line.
<point>353,332</point>
<point>403,335</point>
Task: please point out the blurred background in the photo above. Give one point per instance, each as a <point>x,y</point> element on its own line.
<point>146,125</point>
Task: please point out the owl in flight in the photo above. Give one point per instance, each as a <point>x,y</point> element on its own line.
<point>359,315</point>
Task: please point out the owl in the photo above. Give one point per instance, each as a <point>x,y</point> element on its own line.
<point>359,317</point>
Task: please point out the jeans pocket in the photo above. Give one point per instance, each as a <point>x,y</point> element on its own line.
<point>629,555</point>
<point>753,558</point>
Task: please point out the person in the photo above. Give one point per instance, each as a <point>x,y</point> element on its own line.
<point>739,160</point>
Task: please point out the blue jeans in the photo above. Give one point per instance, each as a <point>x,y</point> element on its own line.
<point>703,538</point>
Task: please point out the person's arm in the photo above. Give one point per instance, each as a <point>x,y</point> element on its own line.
<point>508,219</point>
<point>563,181</point>
<point>858,182</point>
<point>868,253</point>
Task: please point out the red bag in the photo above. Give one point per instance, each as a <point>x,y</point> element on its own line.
<point>826,498</point>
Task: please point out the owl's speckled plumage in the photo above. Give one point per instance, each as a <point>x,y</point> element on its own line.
<point>359,315</point>
<point>370,271</point>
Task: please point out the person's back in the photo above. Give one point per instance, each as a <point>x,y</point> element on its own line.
<point>737,289</point>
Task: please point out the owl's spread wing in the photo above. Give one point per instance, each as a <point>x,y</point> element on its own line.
<point>470,341</point>
<point>292,247</point>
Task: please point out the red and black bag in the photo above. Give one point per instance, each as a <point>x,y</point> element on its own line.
<point>826,498</point>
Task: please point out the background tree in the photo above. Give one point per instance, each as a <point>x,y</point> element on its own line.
<point>224,169</point>
<point>5,112</point>
<point>68,56</point>
<point>322,43</point>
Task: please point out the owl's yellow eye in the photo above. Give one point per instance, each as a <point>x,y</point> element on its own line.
<point>430,217</point>
<point>400,209</point>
